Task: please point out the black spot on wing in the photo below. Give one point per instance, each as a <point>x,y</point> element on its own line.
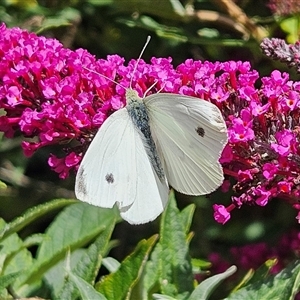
<point>200,131</point>
<point>110,178</point>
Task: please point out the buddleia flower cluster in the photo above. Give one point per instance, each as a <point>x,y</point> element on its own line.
<point>52,95</point>
<point>255,255</point>
<point>278,49</point>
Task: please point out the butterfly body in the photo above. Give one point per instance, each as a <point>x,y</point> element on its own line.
<point>139,116</point>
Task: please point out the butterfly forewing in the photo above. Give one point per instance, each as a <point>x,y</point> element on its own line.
<point>190,135</point>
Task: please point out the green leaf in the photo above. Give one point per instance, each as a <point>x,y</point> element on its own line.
<point>76,226</point>
<point>176,278</point>
<point>31,215</point>
<point>88,266</point>
<point>170,32</point>
<point>22,4</point>
<point>152,273</point>
<point>8,279</point>
<point>34,239</point>
<point>199,264</point>
<point>170,269</point>
<point>90,262</point>
<point>100,3</point>
<point>168,9</point>
<point>118,285</point>
<point>284,285</point>
<point>14,257</point>
<point>57,280</point>
<point>206,287</point>
<point>291,27</point>
<point>260,274</point>
<point>87,291</point>
<point>63,18</point>
<point>187,217</point>
<point>2,185</point>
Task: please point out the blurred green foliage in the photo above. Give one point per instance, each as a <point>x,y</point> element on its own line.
<point>159,267</point>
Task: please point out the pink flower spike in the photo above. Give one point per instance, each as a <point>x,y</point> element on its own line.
<point>286,143</point>
<point>58,164</point>
<point>239,132</point>
<point>263,197</point>
<point>269,170</point>
<point>244,175</point>
<point>13,95</point>
<point>298,217</point>
<point>258,109</point>
<point>30,148</point>
<point>221,214</point>
<point>227,155</point>
<point>284,187</point>
<point>291,101</point>
<point>72,159</point>
<point>225,186</point>
<point>279,78</point>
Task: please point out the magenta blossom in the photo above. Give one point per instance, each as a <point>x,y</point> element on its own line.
<point>252,256</point>
<point>52,95</point>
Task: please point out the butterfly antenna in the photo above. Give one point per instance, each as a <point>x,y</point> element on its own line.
<point>153,85</point>
<point>111,80</point>
<point>139,58</point>
<point>149,88</point>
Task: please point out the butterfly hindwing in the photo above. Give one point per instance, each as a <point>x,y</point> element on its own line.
<point>116,169</point>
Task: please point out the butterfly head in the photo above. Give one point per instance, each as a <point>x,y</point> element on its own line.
<point>132,96</point>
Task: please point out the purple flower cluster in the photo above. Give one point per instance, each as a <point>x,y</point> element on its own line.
<point>50,96</point>
<point>266,160</point>
<point>252,256</point>
<point>278,49</point>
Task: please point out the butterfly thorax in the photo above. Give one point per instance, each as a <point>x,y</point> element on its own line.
<point>139,116</point>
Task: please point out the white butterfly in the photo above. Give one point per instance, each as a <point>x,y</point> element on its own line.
<point>153,141</point>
